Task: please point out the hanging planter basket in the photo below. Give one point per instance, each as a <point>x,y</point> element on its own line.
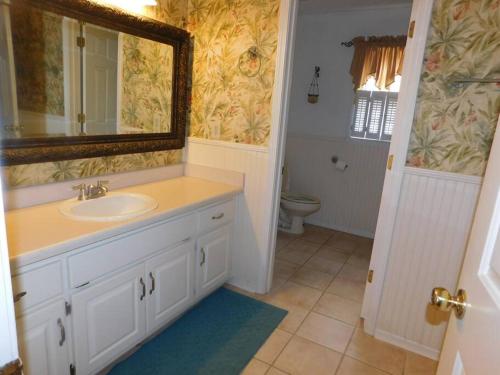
<point>313,99</point>
<point>313,93</point>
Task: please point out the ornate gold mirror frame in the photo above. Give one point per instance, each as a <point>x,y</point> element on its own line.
<point>36,150</point>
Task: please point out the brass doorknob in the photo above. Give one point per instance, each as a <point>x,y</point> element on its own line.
<point>444,301</point>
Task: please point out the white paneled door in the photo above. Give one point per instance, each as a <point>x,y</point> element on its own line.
<point>101,56</point>
<point>213,260</point>
<point>170,279</point>
<point>109,318</point>
<point>43,345</point>
<point>472,342</point>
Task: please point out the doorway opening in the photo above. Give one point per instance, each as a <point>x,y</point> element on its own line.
<point>335,163</point>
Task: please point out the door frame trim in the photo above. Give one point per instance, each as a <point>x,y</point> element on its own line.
<point>414,56</point>
<point>421,14</point>
<point>280,105</point>
<point>8,334</point>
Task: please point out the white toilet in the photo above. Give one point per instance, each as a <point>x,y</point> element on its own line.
<point>294,208</point>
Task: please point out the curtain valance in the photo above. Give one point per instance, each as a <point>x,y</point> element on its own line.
<point>380,57</point>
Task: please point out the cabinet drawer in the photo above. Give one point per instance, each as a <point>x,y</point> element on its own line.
<point>37,285</point>
<point>216,216</point>
<point>106,257</point>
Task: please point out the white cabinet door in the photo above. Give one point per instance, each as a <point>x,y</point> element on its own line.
<point>42,340</point>
<point>109,318</point>
<point>213,260</point>
<point>170,285</point>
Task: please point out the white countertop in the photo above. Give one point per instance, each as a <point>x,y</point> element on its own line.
<point>39,232</point>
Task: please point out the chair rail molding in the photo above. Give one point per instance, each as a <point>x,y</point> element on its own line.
<point>225,144</point>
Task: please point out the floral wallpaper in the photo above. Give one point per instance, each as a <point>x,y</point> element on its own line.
<point>146,86</point>
<point>454,124</point>
<point>38,56</point>
<point>233,75</point>
<point>44,173</point>
<point>171,11</point>
<point>232,88</point>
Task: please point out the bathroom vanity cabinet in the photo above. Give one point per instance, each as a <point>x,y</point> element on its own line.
<point>80,311</point>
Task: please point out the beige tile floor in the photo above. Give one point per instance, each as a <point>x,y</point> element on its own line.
<point>319,277</point>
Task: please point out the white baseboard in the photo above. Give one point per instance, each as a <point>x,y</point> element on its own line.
<point>448,176</point>
<point>355,231</point>
<point>407,344</point>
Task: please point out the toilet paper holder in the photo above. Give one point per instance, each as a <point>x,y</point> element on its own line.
<point>335,160</point>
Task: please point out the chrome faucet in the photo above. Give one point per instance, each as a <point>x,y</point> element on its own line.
<point>92,191</point>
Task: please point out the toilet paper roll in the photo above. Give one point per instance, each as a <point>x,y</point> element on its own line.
<point>341,165</point>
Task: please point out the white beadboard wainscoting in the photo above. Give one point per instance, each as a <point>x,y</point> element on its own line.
<point>350,199</point>
<point>250,250</point>
<point>434,217</point>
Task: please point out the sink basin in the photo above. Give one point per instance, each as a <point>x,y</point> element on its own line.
<point>112,207</point>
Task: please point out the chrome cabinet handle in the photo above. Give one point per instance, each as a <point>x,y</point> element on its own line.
<point>63,332</point>
<point>152,283</point>
<point>219,216</point>
<point>203,257</point>
<point>141,281</point>
<point>19,295</point>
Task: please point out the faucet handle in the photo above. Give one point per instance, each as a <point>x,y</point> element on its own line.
<point>103,184</point>
<point>81,191</point>
<point>79,187</point>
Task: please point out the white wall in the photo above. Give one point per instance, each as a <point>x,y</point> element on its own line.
<point>433,221</point>
<point>350,199</point>
<point>318,43</point>
<point>250,248</point>
<point>319,131</point>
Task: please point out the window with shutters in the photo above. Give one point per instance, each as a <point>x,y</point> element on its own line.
<point>374,111</point>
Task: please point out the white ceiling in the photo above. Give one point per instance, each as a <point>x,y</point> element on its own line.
<point>325,6</point>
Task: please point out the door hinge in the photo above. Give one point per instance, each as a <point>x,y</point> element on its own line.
<point>80,41</point>
<point>390,160</point>
<point>370,276</point>
<point>81,118</point>
<point>411,30</point>
<point>72,369</point>
<point>67,308</point>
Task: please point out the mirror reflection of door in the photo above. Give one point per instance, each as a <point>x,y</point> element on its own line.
<point>62,77</point>
<point>9,119</point>
<point>101,82</point>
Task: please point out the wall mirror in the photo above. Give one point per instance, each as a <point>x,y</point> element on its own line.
<point>78,79</point>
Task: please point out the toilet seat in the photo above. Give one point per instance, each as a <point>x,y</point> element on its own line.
<point>299,198</point>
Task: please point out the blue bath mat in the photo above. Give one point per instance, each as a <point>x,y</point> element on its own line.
<point>219,336</point>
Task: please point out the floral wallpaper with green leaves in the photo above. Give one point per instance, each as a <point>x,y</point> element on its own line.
<point>171,11</point>
<point>232,87</point>
<point>146,98</point>
<point>37,39</point>
<point>233,75</point>
<point>454,124</point>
